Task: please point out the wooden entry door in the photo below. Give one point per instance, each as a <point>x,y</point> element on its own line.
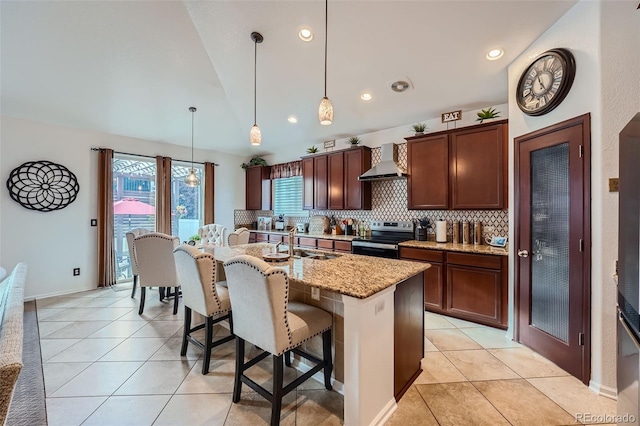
<point>553,243</point>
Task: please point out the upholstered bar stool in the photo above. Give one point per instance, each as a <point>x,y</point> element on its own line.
<point>197,275</point>
<point>237,237</point>
<point>133,261</point>
<point>263,315</point>
<point>156,266</point>
<point>213,234</point>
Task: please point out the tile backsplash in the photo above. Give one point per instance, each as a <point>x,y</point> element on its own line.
<point>389,202</point>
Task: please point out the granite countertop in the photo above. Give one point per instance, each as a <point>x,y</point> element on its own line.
<point>323,236</point>
<point>467,248</point>
<point>349,274</point>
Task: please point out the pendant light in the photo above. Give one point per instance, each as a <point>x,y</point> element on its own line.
<point>192,180</point>
<point>255,136</point>
<point>325,110</point>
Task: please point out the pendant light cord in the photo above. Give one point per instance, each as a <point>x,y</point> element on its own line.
<point>255,66</point>
<point>192,112</point>
<point>326,29</point>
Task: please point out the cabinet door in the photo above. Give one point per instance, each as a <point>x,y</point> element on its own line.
<point>336,181</point>
<point>475,294</point>
<point>266,188</point>
<point>428,173</point>
<point>434,288</point>
<point>320,180</point>
<point>478,168</point>
<point>253,188</point>
<point>307,183</point>
<point>357,195</point>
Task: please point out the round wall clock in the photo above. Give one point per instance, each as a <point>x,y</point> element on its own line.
<point>546,82</point>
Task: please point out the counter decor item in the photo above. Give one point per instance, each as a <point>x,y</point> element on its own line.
<point>280,223</point>
<point>487,114</point>
<point>419,128</point>
<point>477,233</point>
<point>264,223</point>
<point>456,232</point>
<point>496,241</point>
<point>194,240</point>
<point>441,231</point>
<point>466,233</point>
<point>421,229</point>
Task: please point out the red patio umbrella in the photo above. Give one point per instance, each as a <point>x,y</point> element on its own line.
<point>132,206</point>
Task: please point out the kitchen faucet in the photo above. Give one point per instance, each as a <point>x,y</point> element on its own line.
<point>292,232</point>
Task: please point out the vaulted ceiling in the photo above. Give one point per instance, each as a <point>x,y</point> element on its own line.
<point>133,68</point>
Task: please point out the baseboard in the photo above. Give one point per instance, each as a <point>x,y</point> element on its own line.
<point>606,391</point>
<point>385,413</point>
<point>57,293</point>
<point>319,376</point>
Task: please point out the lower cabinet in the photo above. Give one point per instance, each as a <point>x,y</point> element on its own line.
<point>469,286</point>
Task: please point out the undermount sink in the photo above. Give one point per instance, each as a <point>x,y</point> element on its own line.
<point>298,254</point>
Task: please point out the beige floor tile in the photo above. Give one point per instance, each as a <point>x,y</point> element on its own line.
<point>98,302</point>
<point>139,410</point>
<point>527,363</point>
<point>99,379</point>
<point>66,314</point>
<point>58,373</point>
<point>52,347</point>
<point>490,338</point>
<point>170,351</point>
<point>86,350</point>
<point>522,404</point>
<point>47,327</point>
<point>572,395</point>
<point>219,379</point>
<point>428,346</point>
<point>458,404</point>
<point>110,314</point>
<point>464,324</point>
<point>435,322</point>
<point>71,411</point>
<point>135,349</point>
<point>156,378</point>
<point>253,409</point>
<point>147,315</point>
<point>319,407</point>
<point>451,340</point>
<point>436,368</point>
<point>194,410</point>
<point>480,365</point>
<point>118,328</point>
<point>58,302</point>
<point>126,302</point>
<point>78,330</point>
<point>158,329</point>
<point>412,410</point>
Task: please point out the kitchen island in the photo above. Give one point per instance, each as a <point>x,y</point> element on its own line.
<point>378,311</point>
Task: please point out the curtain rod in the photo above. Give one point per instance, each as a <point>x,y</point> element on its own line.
<point>151,156</point>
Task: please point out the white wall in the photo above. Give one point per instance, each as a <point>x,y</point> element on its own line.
<point>596,33</point>
<point>56,242</point>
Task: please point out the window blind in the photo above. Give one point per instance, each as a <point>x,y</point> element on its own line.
<point>287,197</point>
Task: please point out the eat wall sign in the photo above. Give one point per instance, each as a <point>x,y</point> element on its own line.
<point>452,116</point>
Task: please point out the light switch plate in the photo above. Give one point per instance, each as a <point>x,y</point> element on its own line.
<point>94,222</point>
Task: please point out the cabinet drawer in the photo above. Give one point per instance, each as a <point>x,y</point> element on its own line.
<point>275,238</point>
<point>421,254</point>
<point>342,246</point>
<point>262,237</point>
<point>479,260</point>
<point>307,242</point>
<point>252,237</point>
<point>325,244</point>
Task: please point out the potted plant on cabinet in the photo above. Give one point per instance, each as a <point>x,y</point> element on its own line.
<point>354,141</point>
<point>419,128</point>
<point>312,150</point>
<point>487,114</point>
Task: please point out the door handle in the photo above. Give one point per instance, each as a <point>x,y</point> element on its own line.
<point>523,253</point>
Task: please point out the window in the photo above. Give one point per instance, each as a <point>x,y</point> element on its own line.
<point>287,197</point>
<point>187,206</point>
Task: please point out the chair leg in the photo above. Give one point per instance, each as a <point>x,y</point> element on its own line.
<point>237,383</point>
<point>326,357</point>
<point>187,330</point>
<point>208,330</point>
<point>176,299</point>
<point>287,358</point>
<point>276,408</point>
<point>142,297</point>
<point>161,291</point>
<point>133,290</point>
<point>230,323</point>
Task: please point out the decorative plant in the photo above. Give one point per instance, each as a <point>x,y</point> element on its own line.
<point>195,237</point>
<point>419,127</point>
<point>312,150</point>
<point>486,114</point>
<point>353,140</point>
<point>255,161</point>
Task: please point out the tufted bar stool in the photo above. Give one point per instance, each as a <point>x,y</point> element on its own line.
<point>213,234</point>
<point>263,315</point>
<point>197,274</point>
<point>237,237</point>
<point>133,261</point>
<point>156,266</point>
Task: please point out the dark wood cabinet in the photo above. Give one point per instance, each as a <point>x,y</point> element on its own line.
<point>458,169</point>
<point>336,180</point>
<point>357,195</point>
<point>320,183</point>
<point>307,183</point>
<point>258,188</point>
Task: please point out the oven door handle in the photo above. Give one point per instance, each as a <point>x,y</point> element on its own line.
<point>374,245</point>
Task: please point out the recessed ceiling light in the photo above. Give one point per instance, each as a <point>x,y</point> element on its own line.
<point>495,54</point>
<point>366,96</point>
<point>292,119</point>
<point>305,34</point>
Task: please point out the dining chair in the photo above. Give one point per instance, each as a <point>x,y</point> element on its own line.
<point>263,315</point>
<point>237,237</point>
<point>131,236</point>
<point>156,265</point>
<point>213,234</point>
<point>200,293</point>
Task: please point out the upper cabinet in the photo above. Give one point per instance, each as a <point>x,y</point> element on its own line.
<point>258,188</point>
<point>320,183</point>
<point>336,181</point>
<point>458,169</point>
<point>357,195</point>
<point>307,183</point>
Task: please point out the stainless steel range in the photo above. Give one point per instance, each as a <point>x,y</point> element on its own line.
<point>384,239</point>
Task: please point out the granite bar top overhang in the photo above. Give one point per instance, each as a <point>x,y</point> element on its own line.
<point>348,274</point>
<point>466,248</point>
<point>307,235</point>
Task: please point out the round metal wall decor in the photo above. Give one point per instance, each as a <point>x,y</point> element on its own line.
<point>43,186</point>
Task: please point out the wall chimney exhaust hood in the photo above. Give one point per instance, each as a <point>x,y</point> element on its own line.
<point>388,167</point>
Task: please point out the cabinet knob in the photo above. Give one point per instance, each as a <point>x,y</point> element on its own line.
<point>523,253</point>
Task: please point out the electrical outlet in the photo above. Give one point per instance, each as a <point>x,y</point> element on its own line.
<point>94,222</point>
<point>76,272</point>
<point>315,293</point>
<point>379,307</point>
<point>614,185</point>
